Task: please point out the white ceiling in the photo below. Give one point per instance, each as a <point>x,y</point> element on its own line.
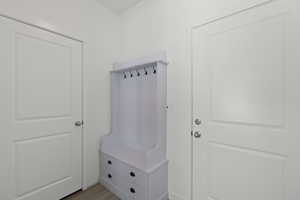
<point>118,5</point>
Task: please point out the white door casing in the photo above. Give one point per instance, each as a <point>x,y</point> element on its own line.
<point>246,94</point>
<point>41,94</point>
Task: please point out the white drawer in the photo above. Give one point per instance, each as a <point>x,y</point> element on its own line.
<point>108,162</point>
<point>109,172</point>
<point>134,192</point>
<point>109,176</point>
<point>132,175</point>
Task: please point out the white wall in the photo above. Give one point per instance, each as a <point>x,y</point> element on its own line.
<point>86,20</point>
<point>155,25</point>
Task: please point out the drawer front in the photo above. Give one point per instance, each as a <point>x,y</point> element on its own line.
<point>132,175</point>
<point>135,192</point>
<point>108,162</point>
<point>109,169</point>
<point>128,179</point>
<point>109,176</point>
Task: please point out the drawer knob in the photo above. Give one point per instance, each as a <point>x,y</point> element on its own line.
<point>109,162</point>
<point>109,176</point>
<point>132,174</point>
<point>132,190</point>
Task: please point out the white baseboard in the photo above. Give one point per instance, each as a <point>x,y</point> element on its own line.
<point>175,197</point>
<point>164,197</point>
<point>86,186</point>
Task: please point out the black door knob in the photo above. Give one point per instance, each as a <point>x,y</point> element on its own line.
<point>109,176</point>
<point>109,162</point>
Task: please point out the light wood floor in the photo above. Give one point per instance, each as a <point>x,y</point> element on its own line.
<point>97,192</point>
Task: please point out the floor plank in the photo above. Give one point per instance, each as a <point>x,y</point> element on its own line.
<point>97,192</point>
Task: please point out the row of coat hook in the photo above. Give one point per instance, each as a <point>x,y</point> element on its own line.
<point>145,72</point>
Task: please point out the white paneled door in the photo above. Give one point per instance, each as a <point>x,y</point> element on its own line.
<point>246,105</point>
<point>40,87</point>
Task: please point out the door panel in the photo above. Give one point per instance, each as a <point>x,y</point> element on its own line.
<point>41,78</point>
<point>241,173</point>
<point>51,63</point>
<point>247,67</point>
<point>30,158</point>
<point>243,89</point>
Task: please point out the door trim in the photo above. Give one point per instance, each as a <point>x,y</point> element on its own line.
<point>193,27</point>
<point>40,27</point>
